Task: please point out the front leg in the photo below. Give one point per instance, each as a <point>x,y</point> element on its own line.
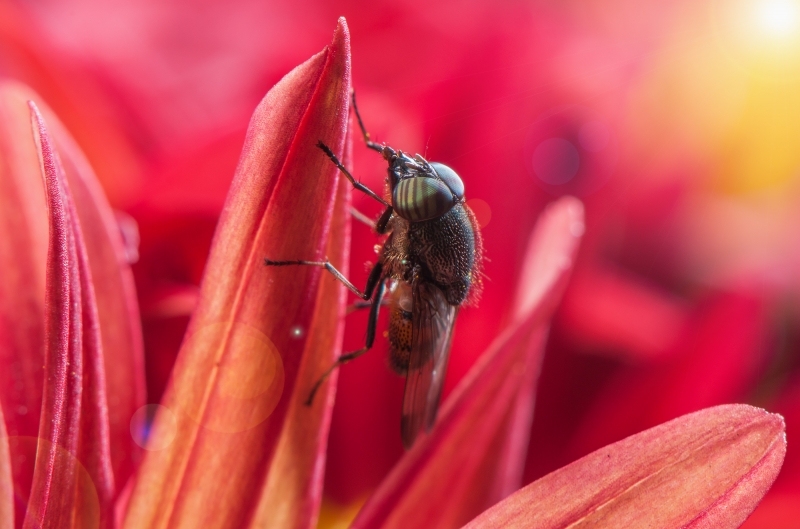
<point>358,185</point>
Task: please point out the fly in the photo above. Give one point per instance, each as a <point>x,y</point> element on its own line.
<point>429,265</point>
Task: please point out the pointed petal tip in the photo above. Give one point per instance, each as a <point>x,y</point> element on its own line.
<point>550,255</point>
<point>74,448</point>
<point>745,414</point>
<point>280,206</point>
<point>341,37</point>
<point>706,469</point>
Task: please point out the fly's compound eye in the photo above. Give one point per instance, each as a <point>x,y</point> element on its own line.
<point>450,178</point>
<point>422,198</point>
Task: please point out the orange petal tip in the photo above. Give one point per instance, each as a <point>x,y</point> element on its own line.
<point>706,469</point>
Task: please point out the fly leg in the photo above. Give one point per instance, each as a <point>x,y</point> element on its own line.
<point>361,305</point>
<point>380,226</point>
<point>361,217</point>
<point>372,280</point>
<point>371,326</point>
<point>356,184</point>
<point>371,144</point>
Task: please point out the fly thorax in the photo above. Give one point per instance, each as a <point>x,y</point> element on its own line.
<point>447,248</point>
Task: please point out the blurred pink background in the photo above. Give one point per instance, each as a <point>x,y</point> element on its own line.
<point>678,125</point>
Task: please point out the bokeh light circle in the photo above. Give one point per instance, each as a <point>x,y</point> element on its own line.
<point>570,150</point>
<point>482,211</point>
<point>150,435</point>
<point>556,161</point>
<point>237,384</point>
<point>23,448</point>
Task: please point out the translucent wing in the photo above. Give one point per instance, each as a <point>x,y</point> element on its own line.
<point>431,333</point>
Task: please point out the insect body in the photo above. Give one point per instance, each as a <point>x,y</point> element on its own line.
<point>431,264</point>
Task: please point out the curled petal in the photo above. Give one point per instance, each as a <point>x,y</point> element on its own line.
<point>706,469</point>
<point>474,455</point>
<point>245,361</point>
<point>23,255</point>
<point>73,483</point>
<point>114,294</point>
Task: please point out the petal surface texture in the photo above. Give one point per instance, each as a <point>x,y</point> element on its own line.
<point>706,469</point>
<point>259,336</point>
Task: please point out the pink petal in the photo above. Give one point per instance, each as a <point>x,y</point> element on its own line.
<point>718,357</point>
<point>608,311</point>
<point>73,484</point>
<point>246,360</point>
<point>706,469</point>
<point>6,479</point>
<point>474,455</point>
<point>83,103</point>
<point>115,295</point>
<point>26,230</point>
<point>23,256</point>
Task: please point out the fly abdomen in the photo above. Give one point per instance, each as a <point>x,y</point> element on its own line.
<point>399,335</point>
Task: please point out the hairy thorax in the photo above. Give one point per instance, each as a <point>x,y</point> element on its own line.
<point>442,250</point>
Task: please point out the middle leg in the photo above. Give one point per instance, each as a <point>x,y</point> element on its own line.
<point>372,280</point>
<point>371,327</point>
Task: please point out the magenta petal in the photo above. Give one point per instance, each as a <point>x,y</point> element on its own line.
<point>708,469</point>
<point>475,454</point>
<point>73,484</point>
<point>114,295</point>
<point>23,255</point>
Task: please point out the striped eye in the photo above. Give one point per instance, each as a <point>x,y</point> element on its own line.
<point>422,198</point>
<point>450,178</point>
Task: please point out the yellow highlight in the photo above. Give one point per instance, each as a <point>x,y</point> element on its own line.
<point>778,17</point>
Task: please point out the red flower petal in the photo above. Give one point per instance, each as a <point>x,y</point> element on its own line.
<point>611,312</point>
<point>6,479</point>
<point>293,493</point>
<point>115,295</point>
<point>73,483</point>
<point>706,469</point>
<point>23,256</point>
<point>245,361</point>
<point>474,456</point>
<point>714,361</point>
